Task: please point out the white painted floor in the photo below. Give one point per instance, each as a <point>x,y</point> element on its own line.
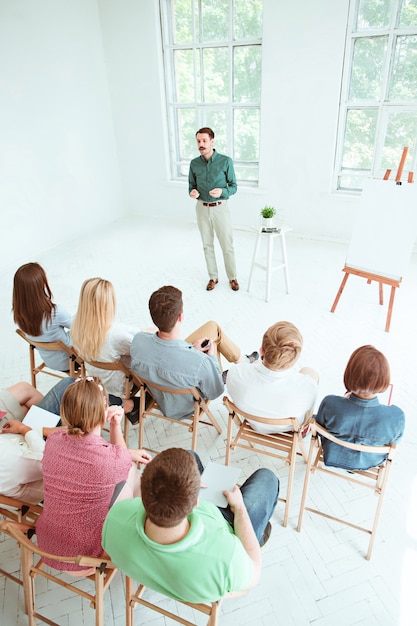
<point>318,576</point>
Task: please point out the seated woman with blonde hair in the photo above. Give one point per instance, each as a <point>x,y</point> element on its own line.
<point>98,337</point>
<point>83,475</point>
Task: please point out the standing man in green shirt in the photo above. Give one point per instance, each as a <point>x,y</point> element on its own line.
<point>211,181</point>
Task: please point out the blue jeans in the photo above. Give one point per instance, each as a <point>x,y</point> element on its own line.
<point>260,495</point>
<point>52,400</point>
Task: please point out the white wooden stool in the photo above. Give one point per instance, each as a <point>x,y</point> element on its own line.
<point>269,267</point>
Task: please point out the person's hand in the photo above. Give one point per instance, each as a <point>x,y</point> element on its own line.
<point>234,498</point>
<point>216,192</point>
<point>114,415</point>
<point>194,193</point>
<point>15,427</point>
<point>201,345</point>
<point>140,456</point>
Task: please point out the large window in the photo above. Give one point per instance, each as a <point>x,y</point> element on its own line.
<point>212,55</point>
<point>378,114</point>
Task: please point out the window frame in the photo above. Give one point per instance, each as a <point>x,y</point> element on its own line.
<point>383,105</point>
<point>179,163</point>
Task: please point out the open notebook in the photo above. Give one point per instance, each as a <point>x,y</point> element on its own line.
<point>218,478</point>
<point>37,417</point>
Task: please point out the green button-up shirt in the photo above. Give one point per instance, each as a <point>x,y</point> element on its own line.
<point>218,171</point>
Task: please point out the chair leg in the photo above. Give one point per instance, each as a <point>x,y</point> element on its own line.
<point>229,439</point>
<point>129,606</point>
<point>99,598</point>
<point>290,481</point>
<point>214,614</point>
<point>32,365</point>
<point>306,482</point>
<point>378,511</point>
<point>28,585</point>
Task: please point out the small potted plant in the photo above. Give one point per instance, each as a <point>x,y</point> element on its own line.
<point>267,214</point>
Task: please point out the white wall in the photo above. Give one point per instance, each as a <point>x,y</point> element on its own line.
<point>58,163</point>
<point>303,53</point>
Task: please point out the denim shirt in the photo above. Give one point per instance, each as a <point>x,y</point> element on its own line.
<point>217,172</point>
<point>358,420</point>
<point>56,330</point>
<point>175,364</point>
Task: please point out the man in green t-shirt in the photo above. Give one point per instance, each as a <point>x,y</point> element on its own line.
<point>189,550</point>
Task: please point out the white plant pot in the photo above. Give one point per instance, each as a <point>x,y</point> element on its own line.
<point>267,222</point>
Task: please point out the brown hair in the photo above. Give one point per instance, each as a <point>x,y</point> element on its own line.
<point>32,299</point>
<point>83,405</point>
<point>165,305</point>
<point>170,486</point>
<point>207,131</point>
<point>367,371</point>
<point>282,344</point>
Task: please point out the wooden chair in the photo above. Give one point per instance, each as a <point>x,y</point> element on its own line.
<point>18,511</point>
<point>73,358</point>
<point>278,445</point>
<point>375,478</point>
<point>104,573</point>
<point>210,609</point>
<point>130,389</point>
<point>201,409</point>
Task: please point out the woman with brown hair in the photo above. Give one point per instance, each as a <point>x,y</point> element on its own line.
<point>38,316</point>
<point>358,416</point>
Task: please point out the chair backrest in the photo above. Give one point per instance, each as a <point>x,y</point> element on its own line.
<point>104,572</point>
<point>18,511</point>
<point>201,408</point>
<point>129,392</point>
<point>374,478</point>
<point>208,608</point>
<point>54,346</point>
<point>282,445</point>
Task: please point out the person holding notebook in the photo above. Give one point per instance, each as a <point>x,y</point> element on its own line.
<point>186,548</point>
<point>21,447</point>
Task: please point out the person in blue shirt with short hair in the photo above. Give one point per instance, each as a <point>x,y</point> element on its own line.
<point>358,417</point>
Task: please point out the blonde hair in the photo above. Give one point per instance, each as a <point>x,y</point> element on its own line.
<point>94,317</point>
<point>282,344</point>
<point>83,405</point>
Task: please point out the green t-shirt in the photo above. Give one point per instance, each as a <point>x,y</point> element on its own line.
<point>208,563</point>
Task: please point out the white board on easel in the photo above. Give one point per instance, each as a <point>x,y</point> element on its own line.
<point>383,236</point>
<point>385,229</point>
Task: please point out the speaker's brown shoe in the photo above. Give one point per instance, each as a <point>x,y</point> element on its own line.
<point>234,284</point>
<point>211,284</point>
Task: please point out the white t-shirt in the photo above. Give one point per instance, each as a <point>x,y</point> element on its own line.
<point>20,460</point>
<point>267,393</point>
<point>115,346</point>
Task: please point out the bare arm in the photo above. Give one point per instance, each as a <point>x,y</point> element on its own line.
<point>114,417</point>
<point>244,530</point>
<point>17,427</point>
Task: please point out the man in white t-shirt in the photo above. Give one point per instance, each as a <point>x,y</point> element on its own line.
<point>274,386</point>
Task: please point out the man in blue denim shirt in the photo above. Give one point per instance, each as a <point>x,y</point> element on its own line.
<point>167,360</point>
<point>358,417</point>
<point>211,181</point>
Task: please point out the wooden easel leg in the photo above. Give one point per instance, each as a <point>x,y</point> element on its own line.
<point>381,293</point>
<point>390,307</point>
<point>339,293</point>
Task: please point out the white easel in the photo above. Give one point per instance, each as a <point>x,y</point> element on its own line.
<point>383,235</point>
